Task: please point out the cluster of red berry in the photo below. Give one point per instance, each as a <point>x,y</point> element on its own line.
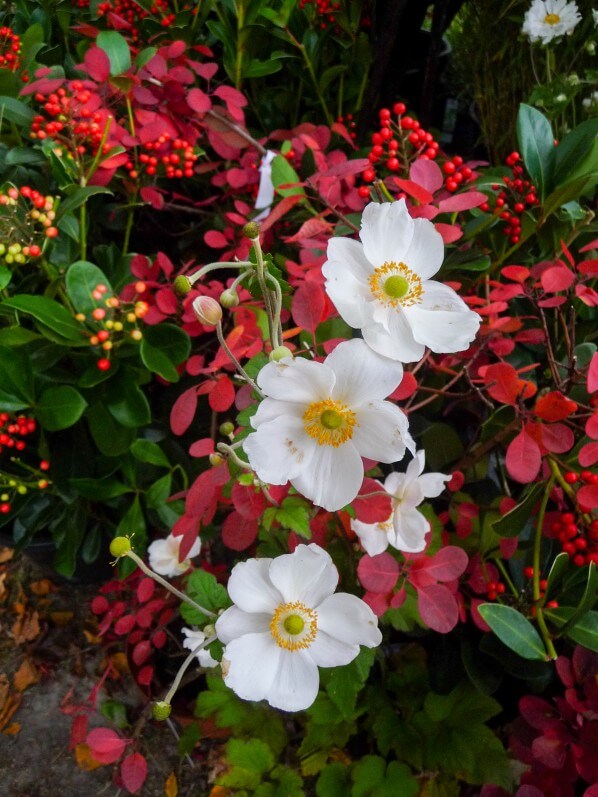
<point>396,145</point>
<point>133,14</point>
<point>176,155</point>
<point>13,432</point>
<point>349,123</point>
<point>529,574</point>
<point>325,10</point>
<point>10,49</point>
<point>512,200</point>
<point>578,537</point>
<point>117,321</point>
<point>26,217</point>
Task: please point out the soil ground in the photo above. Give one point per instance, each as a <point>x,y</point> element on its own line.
<point>49,658</point>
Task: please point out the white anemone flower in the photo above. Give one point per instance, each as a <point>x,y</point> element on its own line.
<point>319,419</point>
<point>546,20</point>
<point>406,527</point>
<point>193,638</point>
<point>286,623</point>
<point>164,556</point>
<point>383,287</point>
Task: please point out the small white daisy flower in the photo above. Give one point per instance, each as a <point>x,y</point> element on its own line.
<point>319,419</point>
<point>406,527</point>
<point>192,640</point>
<point>383,287</point>
<point>286,623</point>
<point>546,20</point>
<point>164,556</point>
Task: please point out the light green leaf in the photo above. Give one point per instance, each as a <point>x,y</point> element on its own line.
<point>117,49</point>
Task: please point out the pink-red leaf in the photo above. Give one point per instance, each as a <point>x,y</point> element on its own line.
<point>222,395</point>
<point>378,573</point>
<point>376,508</point>
<point>145,589</point>
<point>438,608</point>
<point>248,501</point>
<point>133,772</point>
<point>447,564</point>
<point>588,455</point>
<point>199,101</point>
<point>523,458</point>
<point>557,278</point>
<point>593,373</point>
<point>239,532</point>
<point>427,174</point>
<point>183,411</point>
<point>105,745</point>
<point>308,306</point>
<point>466,201</point>
<point>414,190</point>
<point>202,448</point>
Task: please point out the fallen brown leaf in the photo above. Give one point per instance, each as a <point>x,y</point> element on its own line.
<point>171,787</point>
<point>26,675</point>
<point>3,590</point>
<point>26,628</point>
<point>4,690</point>
<point>42,587</point>
<point>11,705</point>
<point>61,618</point>
<point>12,729</point>
<point>6,554</point>
<point>84,759</point>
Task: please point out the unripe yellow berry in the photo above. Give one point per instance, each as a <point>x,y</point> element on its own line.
<point>161,710</point>
<point>181,285</point>
<point>216,459</point>
<point>120,546</point>
<point>227,428</point>
<point>279,353</point>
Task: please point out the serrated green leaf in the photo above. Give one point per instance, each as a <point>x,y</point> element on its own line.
<point>203,588</point>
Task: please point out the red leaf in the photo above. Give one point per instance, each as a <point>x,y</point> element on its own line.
<point>523,458</point>
<point>176,49</point>
<point>167,301</point>
<point>152,196</point>
<point>466,201</point>
<point>202,448</point>
<point>312,228</point>
<point>141,652</point>
<point>427,174</point>
<point>407,387</point>
<point>78,730</point>
<point>557,438</point>
<point>133,771</point>
<point>248,501</point>
<point>593,373</point>
<point>375,509</point>
<point>183,411</point>
<point>238,532</point>
<point>199,101</point>
<point>515,273</point>
<point>447,564</point>
<point>124,624</point>
<point>587,497</point>
<point>415,190</point>
<point>231,96</point>
<point>215,239</point>
<point>557,278</point>
<point>281,209</point>
<point>222,395</point>
<point>308,306</point>
<point>378,573</point>
<point>377,601</point>
<point>145,675</point>
<point>554,407</point>
<point>105,745</point>
<point>438,608</point>
<point>145,589</point>
<point>449,232</point>
<point>97,64</point>
<point>588,455</point>
<point>504,385</point>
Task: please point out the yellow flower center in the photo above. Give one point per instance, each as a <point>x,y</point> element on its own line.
<point>395,284</point>
<point>294,626</point>
<point>329,422</point>
<point>552,19</point>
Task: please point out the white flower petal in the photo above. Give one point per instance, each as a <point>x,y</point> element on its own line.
<point>295,685</point>
<point>372,536</point>
<point>386,232</point>
<point>270,409</point>
<point>432,484</point>
<point>234,622</point>
<point>348,619</point>
<point>298,380</point>
<point>411,495</point>
<point>426,251</point>
<point>396,342</point>
<point>333,477</point>
<point>164,556</point>
<point>250,588</point>
<point>348,296</point>
<point>361,374</point>
<point>307,575</point>
<point>347,257</point>
<point>329,652</point>
<point>251,665</point>
<point>381,432</point>
<point>410,529</point>
<point>443,322</point>
<point>279,450</point>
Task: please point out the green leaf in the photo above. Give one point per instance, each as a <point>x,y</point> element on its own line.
<point>558,569</point>
<point>157,494</point>
<point>568,191</point>
<point>513,523</point>
<point>585,631</point>
<point>52,315</point>
<point>78,197</point>
<point>248,762</point>
<point>257,68</point>
<point>127,403</point>
<point>144,56</point>
<point>203,588</point>
<point>82,278</point>
<point>146,451</point>
<point>536,143</point>
<point>110,437</point>
<point>513,630</point>
<point>99,489</point>
<point>5,277</point>
<point>115,712</point>
<point>294,515</point>
<point>443,445</point>
<point>588,599</point>
<point>133,524</point>
<point>284,174</point>
<point>60,407</point>
<point>16,374</point>
<point>163,347</point>
<point>117,49</point>
<point>16,111</point>
<point>333,781</point>
<point>577,153</point>
<point>17,336</point>
<point>343,684</point>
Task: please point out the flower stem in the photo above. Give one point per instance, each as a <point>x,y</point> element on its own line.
<point>536,565</point>
<point>184,666</point>
<point>260,271</point>
<point>181,595</point>
<point>234,360</point>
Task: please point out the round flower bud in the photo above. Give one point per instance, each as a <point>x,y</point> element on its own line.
<point>181,285</point>
<point>161,710</point>
<point>207,311</point>
<point>251,229</point>
<point>229,298</point>
<point>120,546</point>
<point>216,459</point>
<point>279,353</point>
<point>227,428</point>
<point>209,630</point>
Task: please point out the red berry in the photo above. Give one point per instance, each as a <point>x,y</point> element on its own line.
<point>571,477</point>
<point>103,364</point>
<point>399,108</point>
<point>368,175</point>
<point>528,572</point>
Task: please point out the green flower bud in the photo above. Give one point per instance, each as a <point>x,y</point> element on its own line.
<point>181,285</point>
<point>207,310</point>
<point>209,630</point>
<point>227,428</point>
<point>251,230</point>
<point>120,546</point>
<point>229,298</point>
<point>161,710</point>
<point>279,353</point>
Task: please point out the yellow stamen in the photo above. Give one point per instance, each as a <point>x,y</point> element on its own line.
<point>329,422</point>
<point>294,626</point>
<point>395,284</point>
<point>552,19</point>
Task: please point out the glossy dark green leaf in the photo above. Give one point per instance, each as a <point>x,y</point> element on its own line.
<point>82,278</point>
<point>513,523</point>
<point>514,630</point>
<point>16,374</point>
<point>15,111</point>
<point>162,348</point>
<point>51,314</point>
<point>59,407</point>
<point>536,144</point>
<point>146,451</point>
<point>78,197</point>
<point>117,49</point>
